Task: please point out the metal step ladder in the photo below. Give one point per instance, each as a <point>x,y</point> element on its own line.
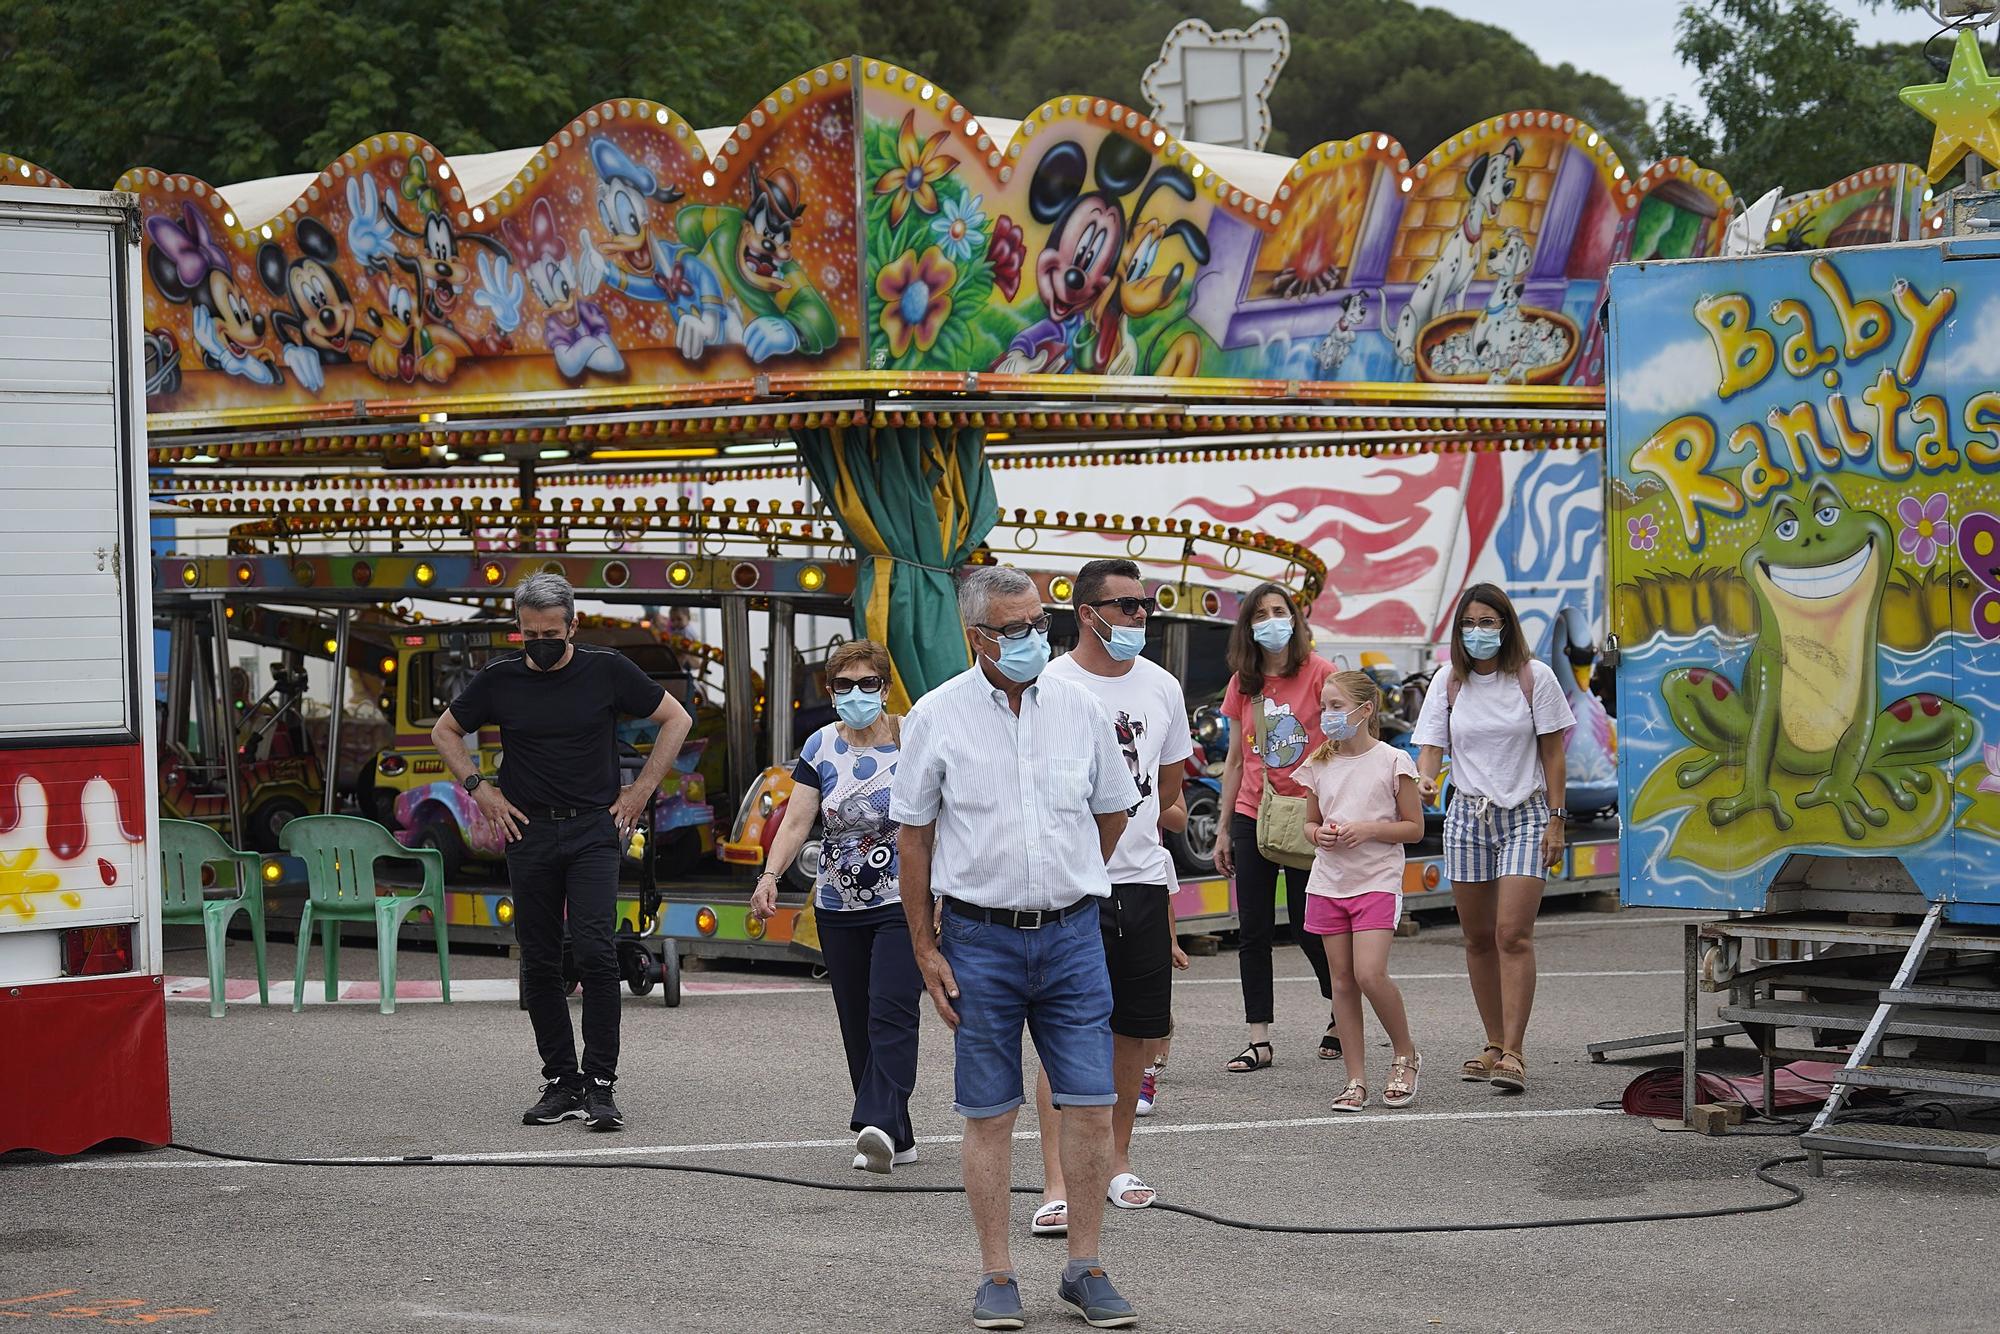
<point>1905,1007</point>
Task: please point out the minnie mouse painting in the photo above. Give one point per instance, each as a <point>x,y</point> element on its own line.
<point>189,268</point>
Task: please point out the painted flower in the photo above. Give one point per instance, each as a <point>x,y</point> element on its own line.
<point>1926,526</point>
<point>1991,782</point>
<point>960,227</point>
<point>916,299</point>
<point>1644,532</point>
<point>1005,254</point>
<point>918,169</point>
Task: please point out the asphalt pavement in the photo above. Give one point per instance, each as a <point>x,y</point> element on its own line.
<point>748,1075</point>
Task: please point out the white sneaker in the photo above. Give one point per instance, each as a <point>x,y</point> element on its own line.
<point>903,1158</point>
<point>1149,1088</point>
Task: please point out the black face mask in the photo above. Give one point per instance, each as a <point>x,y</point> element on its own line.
<point>545,653</point>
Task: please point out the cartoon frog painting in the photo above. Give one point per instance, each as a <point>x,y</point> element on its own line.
<point>1808,702</point>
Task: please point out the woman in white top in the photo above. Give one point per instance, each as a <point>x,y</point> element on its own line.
<point>1502,717</point>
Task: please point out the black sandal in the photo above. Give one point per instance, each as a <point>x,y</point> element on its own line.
<point>1329,1046</point>
<point>1250,1060</point>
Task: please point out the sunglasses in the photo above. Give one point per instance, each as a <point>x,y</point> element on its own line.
<point>1016,629</point>
<point>1127,606</point>
<point>871,685</point>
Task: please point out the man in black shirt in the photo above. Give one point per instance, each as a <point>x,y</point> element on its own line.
<point>565,819</point>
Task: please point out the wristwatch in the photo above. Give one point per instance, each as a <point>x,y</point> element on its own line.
<point>1560,813</point>
<point>473,780</point>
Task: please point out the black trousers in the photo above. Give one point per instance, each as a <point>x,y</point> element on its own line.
<point>568,870</point>
<point>1257,915</point>
<point>878,994</point>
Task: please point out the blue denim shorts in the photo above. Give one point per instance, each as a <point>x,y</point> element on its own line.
<point>1055,981</point>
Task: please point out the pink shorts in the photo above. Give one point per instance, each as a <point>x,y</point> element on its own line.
<point>1376,911</point>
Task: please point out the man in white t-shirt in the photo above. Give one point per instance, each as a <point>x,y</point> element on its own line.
<point>1149,712</point>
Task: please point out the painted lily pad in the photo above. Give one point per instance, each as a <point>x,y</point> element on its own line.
<point>1983,815</point>
<point>1749,839</point>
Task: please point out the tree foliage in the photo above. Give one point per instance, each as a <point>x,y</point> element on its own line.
<point>232,89</point>
<point>1792,99</point>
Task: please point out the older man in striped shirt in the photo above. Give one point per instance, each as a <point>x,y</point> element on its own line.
<point>1012,793</point>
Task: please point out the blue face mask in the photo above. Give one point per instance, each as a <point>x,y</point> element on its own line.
<point>1022,660</point>
<point>1126,642</point>
<point>858,708</point>
<point>1334,723</point>
<point>1482,644</point>
<point>1273,635</point>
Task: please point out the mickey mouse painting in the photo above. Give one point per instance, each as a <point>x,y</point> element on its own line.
<point>1079,257</point>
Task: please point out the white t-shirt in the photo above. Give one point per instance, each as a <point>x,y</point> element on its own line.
<point>1497,755</point>
<point>1150,715</point>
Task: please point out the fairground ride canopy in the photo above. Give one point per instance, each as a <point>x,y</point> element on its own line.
<point>868,271</point>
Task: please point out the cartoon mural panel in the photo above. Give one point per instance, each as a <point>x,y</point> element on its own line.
<point>618,254</point>
<point>1802,514</point>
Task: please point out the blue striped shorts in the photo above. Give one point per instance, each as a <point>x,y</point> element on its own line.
<point>1484,842</point>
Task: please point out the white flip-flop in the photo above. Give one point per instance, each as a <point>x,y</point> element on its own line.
<point>1123,1182</point>
<point>1040,1229</point>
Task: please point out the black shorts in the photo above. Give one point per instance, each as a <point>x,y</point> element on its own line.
<point>1139,951</point>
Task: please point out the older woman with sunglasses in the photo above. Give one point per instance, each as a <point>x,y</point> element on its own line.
<point>843,779</point>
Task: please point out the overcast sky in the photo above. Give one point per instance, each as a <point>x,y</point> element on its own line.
<point>1636,48</point>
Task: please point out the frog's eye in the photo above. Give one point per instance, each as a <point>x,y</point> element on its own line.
<point>1788,529</point>
<point>1826,514</point>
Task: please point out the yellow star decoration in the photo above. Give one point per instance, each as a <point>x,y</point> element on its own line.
<point>1965,108</point>
<point>19,879</point>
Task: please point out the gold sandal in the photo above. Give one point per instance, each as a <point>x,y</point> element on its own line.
<point>1401,1090</point>
<point>1353,1098</point>
<point>1478,1070</point>
<point>1509,1078</point>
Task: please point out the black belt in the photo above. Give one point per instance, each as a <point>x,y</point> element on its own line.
<point>562,812</point>
<point>1033,920</point>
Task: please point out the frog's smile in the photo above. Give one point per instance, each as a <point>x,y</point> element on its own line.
<point>1815,582</point>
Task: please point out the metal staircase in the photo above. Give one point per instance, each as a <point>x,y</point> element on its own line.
<point>1910,1008</point>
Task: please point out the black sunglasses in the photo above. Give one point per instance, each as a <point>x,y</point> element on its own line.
<point>1017,629</point>
<point>1127,606</point>
<point>841,685</point>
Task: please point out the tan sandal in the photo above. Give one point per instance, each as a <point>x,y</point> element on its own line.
<point>1478,1070</point>
<point>1509,1078</point>
<point>1401,1090</point>
<point>1353,1098</point>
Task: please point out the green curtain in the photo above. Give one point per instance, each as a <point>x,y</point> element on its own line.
<point>916,502</point>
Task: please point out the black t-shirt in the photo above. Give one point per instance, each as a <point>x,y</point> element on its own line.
<point>559,729</point>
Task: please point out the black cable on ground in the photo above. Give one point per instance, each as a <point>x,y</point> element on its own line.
<point>1793,1194</point>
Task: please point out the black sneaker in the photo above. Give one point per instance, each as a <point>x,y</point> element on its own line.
<point>601,1113</point>
<point>562,1100</point>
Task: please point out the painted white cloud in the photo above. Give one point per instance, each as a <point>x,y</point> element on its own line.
<point>1678,375</point>
<point>1975,347</point>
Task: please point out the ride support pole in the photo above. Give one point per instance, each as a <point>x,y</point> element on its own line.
<point>343,621</point>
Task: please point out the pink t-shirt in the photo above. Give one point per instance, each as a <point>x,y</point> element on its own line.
<point>1352,788</point>
<point>1291,729</point>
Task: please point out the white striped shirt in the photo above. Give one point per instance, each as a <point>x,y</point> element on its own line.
<point>1015,799</point>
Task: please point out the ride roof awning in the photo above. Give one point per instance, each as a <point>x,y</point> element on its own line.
<point>862,250</point>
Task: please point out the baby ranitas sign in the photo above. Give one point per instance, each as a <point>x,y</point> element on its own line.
<point>1805,568</point>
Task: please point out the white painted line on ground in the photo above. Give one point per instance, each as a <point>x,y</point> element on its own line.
<point>1431,977</point>
<point>242,991</point>
<point>763,1146</point>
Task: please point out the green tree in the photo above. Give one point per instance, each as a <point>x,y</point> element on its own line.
<point>1792,100</point>
<point>1423,75</point>
<point>231,89</point>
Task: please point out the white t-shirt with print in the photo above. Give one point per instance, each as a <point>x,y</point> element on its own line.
<point>1497,755</point>
<point>1150,715</point>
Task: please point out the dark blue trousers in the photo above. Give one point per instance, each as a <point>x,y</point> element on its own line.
<point>878,994</point>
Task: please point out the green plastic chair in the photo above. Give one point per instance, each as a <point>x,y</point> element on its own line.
<point>185,848</point>
<point>340,853</point>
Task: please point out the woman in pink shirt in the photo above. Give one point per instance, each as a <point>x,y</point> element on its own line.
<point>1273,707</point>
<point>1362,807</point>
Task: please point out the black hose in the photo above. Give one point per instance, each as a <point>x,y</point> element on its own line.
<point>1793,1194</point>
